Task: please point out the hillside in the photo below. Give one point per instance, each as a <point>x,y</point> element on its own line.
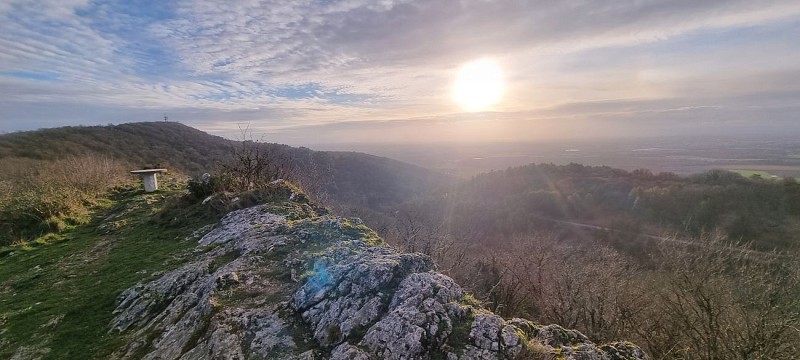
<point>167,144</point>
<point>682,266</point>
<point>155,276</point>
<point>519,200</point>
<point>347,180</point>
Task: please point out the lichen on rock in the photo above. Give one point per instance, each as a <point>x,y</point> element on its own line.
<point>264,286</point>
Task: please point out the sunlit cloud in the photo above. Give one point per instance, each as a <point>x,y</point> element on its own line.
<point>291,68</point>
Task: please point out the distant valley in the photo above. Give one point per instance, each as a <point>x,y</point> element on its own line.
<point>679,155</point>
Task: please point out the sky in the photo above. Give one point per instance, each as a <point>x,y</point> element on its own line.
<point>355,71</point>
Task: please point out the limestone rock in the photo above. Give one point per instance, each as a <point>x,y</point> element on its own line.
<point>322,287</point>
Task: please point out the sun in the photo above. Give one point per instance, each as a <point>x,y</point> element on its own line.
<point>479,85</point>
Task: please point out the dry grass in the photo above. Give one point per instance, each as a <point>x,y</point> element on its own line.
<point>37,197</point>
<point>534,350</point>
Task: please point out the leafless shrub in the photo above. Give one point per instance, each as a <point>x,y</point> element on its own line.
<point>711,300</point>
<point>89,174</point>
<point>722,301</point>
<point>541,278</point>
<point>252,165</point>
<point>414,231</point>
<point>41,196</point>
<point>314,175</point>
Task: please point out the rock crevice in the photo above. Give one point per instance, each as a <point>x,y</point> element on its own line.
<point>263,286</point>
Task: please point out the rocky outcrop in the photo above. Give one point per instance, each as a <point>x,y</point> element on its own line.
<point>283,282</point>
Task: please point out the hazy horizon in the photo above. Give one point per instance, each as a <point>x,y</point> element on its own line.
<point>394,71</point>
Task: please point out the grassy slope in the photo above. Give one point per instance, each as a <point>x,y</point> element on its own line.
<point>60,294</point>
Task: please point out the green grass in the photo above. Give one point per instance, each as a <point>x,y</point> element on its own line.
<point>459,337</point>
<point>58,292</point>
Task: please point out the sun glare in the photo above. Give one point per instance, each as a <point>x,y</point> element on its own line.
<point>479,85</point>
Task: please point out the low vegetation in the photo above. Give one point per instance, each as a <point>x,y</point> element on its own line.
<point>250,166</point>
<point>39,197</point>
<point>58,292</point>
<point>714,300</point>
<point>572,245</point>
<point>699,267</point>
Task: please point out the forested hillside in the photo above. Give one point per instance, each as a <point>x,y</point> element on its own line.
<point>518,200</point>
<point>346,180</point>
<point>680,265</point>
<point>167,144</point>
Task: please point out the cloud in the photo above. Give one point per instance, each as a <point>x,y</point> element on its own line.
<point>311,64</point>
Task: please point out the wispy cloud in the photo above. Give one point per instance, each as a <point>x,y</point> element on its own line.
<point>311,64</point>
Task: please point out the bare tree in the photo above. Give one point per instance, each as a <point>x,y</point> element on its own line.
<point>720,301</point>
<point>254,164</point>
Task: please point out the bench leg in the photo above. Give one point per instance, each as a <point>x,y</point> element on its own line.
<point>150,182</point>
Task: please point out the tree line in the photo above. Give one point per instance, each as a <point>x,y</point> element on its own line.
<point>708,287</point>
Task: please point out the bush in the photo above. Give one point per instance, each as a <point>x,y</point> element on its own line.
<point>203,186</point>
<point>251,165</point>
<point>720,300</point>
<point>41,197</point>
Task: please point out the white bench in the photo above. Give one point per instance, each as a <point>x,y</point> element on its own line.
<point>149,178</point>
